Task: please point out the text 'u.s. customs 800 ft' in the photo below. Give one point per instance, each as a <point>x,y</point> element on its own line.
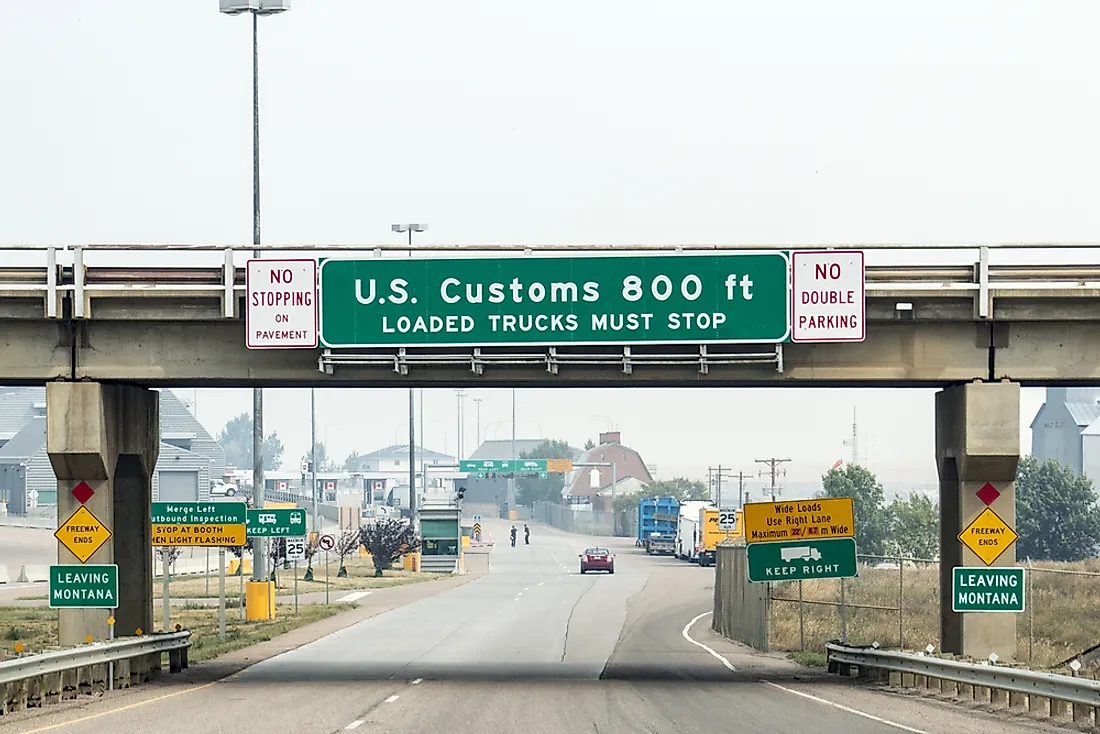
<point>697,298</point>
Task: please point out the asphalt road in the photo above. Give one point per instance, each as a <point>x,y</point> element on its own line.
<point>531,646</point>
<point>20,546</point>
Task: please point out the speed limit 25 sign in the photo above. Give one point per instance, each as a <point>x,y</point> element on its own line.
<point>727,519</point>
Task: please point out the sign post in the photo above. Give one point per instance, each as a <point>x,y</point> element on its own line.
<point>296,551</point>
<point>221,594</point>
<point>987,589</point>
<point>326,543</point>
<point>729,297</point>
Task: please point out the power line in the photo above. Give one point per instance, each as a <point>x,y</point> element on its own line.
<point>773,464</point>
<point>715,475</point>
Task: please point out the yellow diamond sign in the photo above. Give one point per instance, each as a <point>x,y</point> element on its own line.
<point>988,536</point>
<point>82,534</point>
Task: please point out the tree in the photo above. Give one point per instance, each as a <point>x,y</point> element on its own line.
<point>914,527</point>
<point>351,463</point>
<point>682,488</point>
<point>872,517</point>
<point>1056,513</point>
<point>589,444</point>
<point>346,544</point>
<point>548,489</point>
<point>387,540</point>
<point>236,440</point>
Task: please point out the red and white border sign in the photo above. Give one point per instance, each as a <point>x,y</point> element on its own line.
<point>828,296</point>
<point>281,310</point>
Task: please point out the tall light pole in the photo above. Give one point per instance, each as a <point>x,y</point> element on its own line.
<point>401,229</point>
<point>460,394</point>
<point>512,476</point>
<point>477,410</point>
<point>256,8</point>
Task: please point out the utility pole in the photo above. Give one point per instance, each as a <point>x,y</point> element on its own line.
<point>477,410</point>
<point>741,476</point>
<point>716,475</point>
<point>460,394</point>
<point>773,465</point>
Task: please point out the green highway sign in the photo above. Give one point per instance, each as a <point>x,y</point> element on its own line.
<point>278,523</point>
<point>84,587</point>
<point>503,466</point>
<point>199,513</point>
<point>833,558</point>
<point>485,465</point>
<point>987,589</point>
<point>734,297</point>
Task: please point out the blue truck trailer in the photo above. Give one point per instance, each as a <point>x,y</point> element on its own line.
<point>657,521</point>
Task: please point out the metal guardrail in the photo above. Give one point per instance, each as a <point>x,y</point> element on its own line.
<point>979,279</point>
<point>1051,686</point>
<point>96,653</point>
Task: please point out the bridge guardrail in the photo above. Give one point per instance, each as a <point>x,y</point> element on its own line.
<point>987,681</point>
<point>28,677</point>
<point>979,280</point>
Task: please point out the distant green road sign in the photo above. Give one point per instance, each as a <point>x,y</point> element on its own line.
<point>280,523</point>
<point>834,558</point>
<point>637,299</point>
<point>199,513</point>
<point>986,589</point>
<point>84,587</point>
<point>485,465</point>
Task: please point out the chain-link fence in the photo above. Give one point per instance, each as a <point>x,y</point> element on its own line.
<point>587,522</point>
<point>896,603</point>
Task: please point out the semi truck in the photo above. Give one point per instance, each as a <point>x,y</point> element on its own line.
<point>689,534</point>
<point>713,535</point>
<point>657,520</point>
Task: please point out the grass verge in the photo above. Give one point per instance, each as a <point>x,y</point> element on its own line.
<point>36,628</point>
<point>1061,599</point>
<point>360,576</point>
<point>812,659</point>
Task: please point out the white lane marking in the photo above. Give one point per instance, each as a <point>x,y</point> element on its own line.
<point>355,724</point>
<point>842,707</point>
<point>687,637</point>
<point>392,698</point>
<point>353,596</point>
<point>417,681</point>
<point>541,583</point>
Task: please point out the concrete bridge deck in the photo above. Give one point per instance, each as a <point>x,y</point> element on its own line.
<point>927,325</point>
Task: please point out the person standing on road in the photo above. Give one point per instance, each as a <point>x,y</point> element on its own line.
<point>526,534</point>
<point>513,536</point>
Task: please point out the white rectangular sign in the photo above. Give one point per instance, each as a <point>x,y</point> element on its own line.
<point>295,549</point>
<point>281,311</point>
<point>727,520</point>
<point>828,297</point>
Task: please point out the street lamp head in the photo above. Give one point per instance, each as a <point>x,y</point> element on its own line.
<point>413,227</point>
<point>259,7</point>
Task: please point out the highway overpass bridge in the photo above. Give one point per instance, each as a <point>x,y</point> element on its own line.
<point>67,317</point>
<point>99,333</point>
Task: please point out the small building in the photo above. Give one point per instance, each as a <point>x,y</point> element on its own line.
<point>1067,429</point>
<point>594,486</point>
<point>189,461</point>
<point>385,474</point>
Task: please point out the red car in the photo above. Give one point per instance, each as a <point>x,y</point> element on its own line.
<point>597,559</point>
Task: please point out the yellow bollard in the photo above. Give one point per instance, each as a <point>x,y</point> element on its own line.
<point>465,541</point>
<point>513,514</point>
<point>259,601</point>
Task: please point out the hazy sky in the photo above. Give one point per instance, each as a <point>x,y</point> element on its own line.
<point>608,122</point>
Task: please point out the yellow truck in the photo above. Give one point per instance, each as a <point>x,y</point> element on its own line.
<point>713,535</point>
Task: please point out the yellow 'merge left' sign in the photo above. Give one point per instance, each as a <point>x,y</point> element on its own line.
<point>224,536</point>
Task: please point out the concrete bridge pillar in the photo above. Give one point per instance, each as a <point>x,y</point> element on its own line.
<point>977,443</point>
<point>108,436</point>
